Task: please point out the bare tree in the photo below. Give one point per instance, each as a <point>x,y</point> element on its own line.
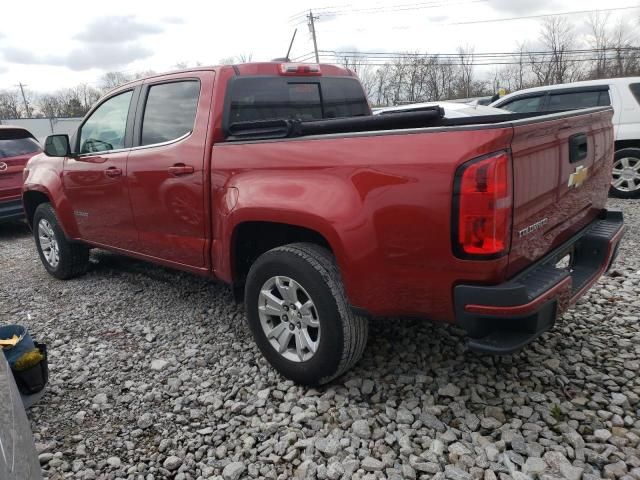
<point>359,65</point>
<point>242,58</point>
<point>465,77</point>
<point>626,61</point>
<point>50,105</point>
<point>111,80</point>
<point>10,105</point>
<point>557,36</point>
<point>598,39</point>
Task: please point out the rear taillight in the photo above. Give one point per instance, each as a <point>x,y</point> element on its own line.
<point>483,204</point>
<point>300,69</point>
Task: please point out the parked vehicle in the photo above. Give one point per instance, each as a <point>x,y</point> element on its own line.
<point>17,145</point>
<point>276,179</point>
<point>451,109</point>
<point>18,458</point>
<point>623,94</point>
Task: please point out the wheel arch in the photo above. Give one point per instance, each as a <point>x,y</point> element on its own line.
<point>252,238</point>
<point>31,199</point>
<point>622,144</point>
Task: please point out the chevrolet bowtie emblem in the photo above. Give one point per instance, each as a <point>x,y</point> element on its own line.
<point>578,177</point>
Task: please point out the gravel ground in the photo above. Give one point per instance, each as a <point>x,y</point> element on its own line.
<point>154,375</point>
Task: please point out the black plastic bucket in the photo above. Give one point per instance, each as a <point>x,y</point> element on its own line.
<point>24,345</point>
<point>33,379</point>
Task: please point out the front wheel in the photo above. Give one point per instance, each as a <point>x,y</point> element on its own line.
<point>299,314</point>
<point>61,258</point>
<point>625,182</point>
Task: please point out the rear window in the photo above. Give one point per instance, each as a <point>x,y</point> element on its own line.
<point>635,89</point>
<point>274,98</point>
<point>575,100</point>
<point>170,111</point>
<point>14,143</point>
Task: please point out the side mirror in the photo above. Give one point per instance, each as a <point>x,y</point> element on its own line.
<point>57,146</point>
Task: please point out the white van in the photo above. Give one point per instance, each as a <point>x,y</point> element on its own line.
<point>623,94</point>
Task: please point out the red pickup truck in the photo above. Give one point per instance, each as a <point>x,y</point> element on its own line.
<point>276,179</point>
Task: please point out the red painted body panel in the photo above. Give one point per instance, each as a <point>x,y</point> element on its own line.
<point>100,203</point>
<point>385,208</point>
<point>169,210</point>
<point>382,200</point>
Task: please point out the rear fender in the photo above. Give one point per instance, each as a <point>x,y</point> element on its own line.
<point>324,204</point>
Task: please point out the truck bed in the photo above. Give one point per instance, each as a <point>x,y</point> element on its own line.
<point>384,197</point>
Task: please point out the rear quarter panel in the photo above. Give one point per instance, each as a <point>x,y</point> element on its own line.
<point>382,201</point>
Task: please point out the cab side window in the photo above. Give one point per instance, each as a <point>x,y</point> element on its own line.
<point>523,105</point>
<point>170,111</point>
<point>105,129</point>
<point>575,100</point>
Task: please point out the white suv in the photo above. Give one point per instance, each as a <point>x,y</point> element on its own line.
<point>623,94</point>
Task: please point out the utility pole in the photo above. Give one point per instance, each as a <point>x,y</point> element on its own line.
<point>24,98</point>
<point>312,27</point>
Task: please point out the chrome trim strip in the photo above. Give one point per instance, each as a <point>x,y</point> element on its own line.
<point>141,147</point>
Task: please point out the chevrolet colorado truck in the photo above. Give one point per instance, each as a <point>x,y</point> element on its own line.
<point>276,179</point>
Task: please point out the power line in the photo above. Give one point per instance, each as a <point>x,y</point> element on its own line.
<point>394,8</point>
<point>481,59</point>
<point>401,8</point>
<point>360,53</point>
<point>546,15</point>
<point>303,13</point>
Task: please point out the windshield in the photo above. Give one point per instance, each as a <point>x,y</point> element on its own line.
<point>297,98</point>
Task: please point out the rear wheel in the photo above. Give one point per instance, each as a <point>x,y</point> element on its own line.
<point>625,182</point>
<point>61,258</point>
<point>299,315</point>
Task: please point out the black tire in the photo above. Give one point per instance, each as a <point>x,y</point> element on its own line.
<point>343,333</point>
<point>73,257</point>
<point>633,153</point>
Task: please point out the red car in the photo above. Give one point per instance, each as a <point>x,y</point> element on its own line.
<point>17,146</point>
<point>276,179</point>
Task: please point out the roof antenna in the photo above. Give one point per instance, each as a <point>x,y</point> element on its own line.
<point>286,58</point>
<point>291,44</point>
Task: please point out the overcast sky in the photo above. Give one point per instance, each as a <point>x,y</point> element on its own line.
<point>51,45</point>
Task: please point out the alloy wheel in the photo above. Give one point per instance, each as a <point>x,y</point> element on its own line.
<point>48,243</point>
<point>289,318</point>
<point>626,174</point>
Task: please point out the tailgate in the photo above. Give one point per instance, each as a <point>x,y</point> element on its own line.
<point>562,172</point>
<point>11,175</point>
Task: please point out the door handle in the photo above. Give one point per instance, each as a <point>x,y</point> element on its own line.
<point>113,172</point>
<point>577,147</point>
<point>180,169</point>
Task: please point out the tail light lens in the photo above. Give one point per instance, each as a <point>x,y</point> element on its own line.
<point>483,204</point>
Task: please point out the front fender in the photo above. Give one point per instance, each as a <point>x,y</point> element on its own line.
<point>45,176</point>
